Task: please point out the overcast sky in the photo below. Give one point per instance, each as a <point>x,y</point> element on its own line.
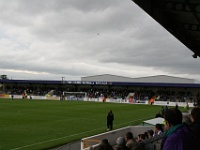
<point>51,39</point>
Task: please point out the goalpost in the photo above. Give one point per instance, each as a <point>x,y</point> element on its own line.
<point>75,96</point>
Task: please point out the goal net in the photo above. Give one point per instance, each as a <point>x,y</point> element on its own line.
<point>75,95</point>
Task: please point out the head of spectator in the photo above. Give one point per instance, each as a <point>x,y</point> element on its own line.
<point>130,141</point>
<point>172,117</point>
<point>121,143</point>
<point>103,147</point>
<point>158,129</point>
<point>128,136</point>
<point>150,133</point>
<point>195,115</point>
<point>141,137</point>
<point>146,134</point>
<point>104,141</point>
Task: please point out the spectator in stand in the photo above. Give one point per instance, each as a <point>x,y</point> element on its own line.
<point>141,137</point>
<point>103,147</point>
<point>177,135</point>
<point>106,142</point>
<point>110,118</point>
<point>195,125</point>
<point>150,133</point>
<point>130,141</point>
<point>121,144</point>
<point>146,135</point>
<point>158,129</point>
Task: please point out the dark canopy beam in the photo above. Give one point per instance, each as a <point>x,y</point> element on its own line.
<point>180,18</point>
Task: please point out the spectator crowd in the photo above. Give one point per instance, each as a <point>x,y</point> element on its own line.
<point>112,93</point>
<point>177,132</point>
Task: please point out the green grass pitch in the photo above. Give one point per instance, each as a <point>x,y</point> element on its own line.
<point>42,124</point>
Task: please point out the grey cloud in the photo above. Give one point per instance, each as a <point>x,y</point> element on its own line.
<point>87,37</point>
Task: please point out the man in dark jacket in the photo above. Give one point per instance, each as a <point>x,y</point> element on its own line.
<point>195,125</point>
<point>177,136</point>
<point>110,118</point>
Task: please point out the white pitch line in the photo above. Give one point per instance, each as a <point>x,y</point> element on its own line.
<point>135,120</point>
<point>70,136</point>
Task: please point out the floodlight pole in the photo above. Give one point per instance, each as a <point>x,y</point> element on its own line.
<point>61,98</point>
<point>63,80</point>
